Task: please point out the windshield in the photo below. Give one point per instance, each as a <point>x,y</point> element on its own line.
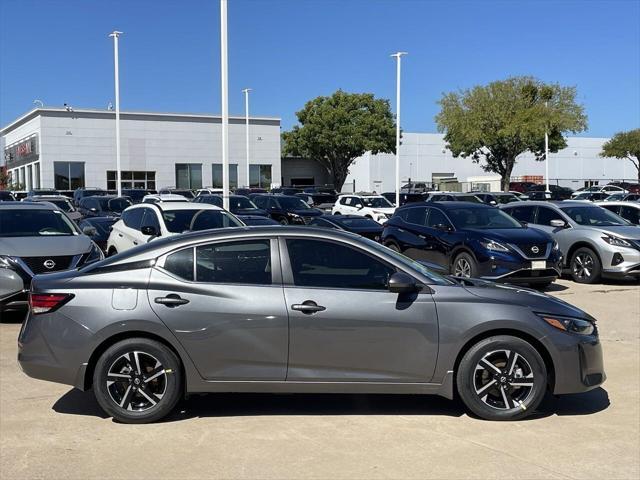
<point>482,218</point>
<point>289,203</point>
<point>35,223</point>
<point>468,198</point>
<point>241,203</point>
<point>178,221</point>
<point>377,202</point>
<point>63,205</point>
<point>594,216</point>
<point>412,264</point>
<point>506,198</point>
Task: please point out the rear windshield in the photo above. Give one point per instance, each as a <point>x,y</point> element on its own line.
<point>481,218</point>
<point>35,223</point>
<point>178,221</point>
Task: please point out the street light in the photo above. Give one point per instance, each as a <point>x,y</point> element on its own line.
<point>398,56</point>
<point>115,34</point>
<point>224,74</point>
<point>546,151</point>
<point>246,118</point>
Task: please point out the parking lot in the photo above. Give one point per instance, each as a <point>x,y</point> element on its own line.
<point>52,431</point>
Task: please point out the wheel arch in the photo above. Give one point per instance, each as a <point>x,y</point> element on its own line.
<point>457,251</point>
<point>535,343</point>
<point>581,244</point>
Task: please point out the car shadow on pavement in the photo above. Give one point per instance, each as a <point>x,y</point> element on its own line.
<point>75,402</point>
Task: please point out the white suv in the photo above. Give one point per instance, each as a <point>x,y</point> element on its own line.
<point>375,207</point>
<point>144,222</point>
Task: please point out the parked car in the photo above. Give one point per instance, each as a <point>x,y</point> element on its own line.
<point>6,196</point>
<point>520,195</point>
<point>630,211</point>
<point>632,197</point>
<point>631,187</point>
<point>474,240</point>
<point>595,242</point>
<point>615,197</point>
<point>62,202</point>
<point>142,223</point>
<point>453,197</point>
<point>248,191</point>
<point>521,187</point>
<point>80,193</point>
<point>103,206</point>
<point>404,197</point>
<point>136,195</point>
<point>497,198</point>
<point>321,201</point>
<point>239,205</point>
<point>417,187</point>
<point>36,192</point>
<point>350,223</point>
<point>188,194</point>
<point>298,309</point>
<point>591,196</point>
<point>599,189</point>
<point>164,197</point>
<point>98,229</point>
<point>209,191</point>
<point>371,206</point>
<point>321,189</point>
<point>255,220</point>
<point>37,237</point>
<point>556,192</point>
<point>285,209</point>
<point>286,190</point>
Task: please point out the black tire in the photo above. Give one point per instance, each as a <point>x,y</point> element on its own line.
<point>393,246</point>
<point>480,389</point>
<point>585,266</point>
<point>464,265</point>
<point>112,252</point>
<point>337,213</point>
<point>283,221</point>
<point>162,384</point>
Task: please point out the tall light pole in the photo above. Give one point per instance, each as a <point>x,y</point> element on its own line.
<point>224,74</point>
<point>246,119</point>
<point>546,151</point>
<point>398,56</point>
<point>115,34</point>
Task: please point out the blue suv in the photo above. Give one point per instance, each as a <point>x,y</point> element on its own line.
<point>473,240</point>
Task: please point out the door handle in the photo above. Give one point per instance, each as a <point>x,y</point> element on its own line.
<point>308,307</point>
<point>135,243</point>
<point>171,300</point>
<point>120,235</point>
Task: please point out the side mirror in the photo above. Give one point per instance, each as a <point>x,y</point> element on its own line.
<point>443,227</point>
<point>90,231</point>
<point>149,230</point>
<point>558,223</point>
<point>400,282</point>
<point>493,202</point>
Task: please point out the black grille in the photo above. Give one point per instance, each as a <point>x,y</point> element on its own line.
<point>37,264</point>
<point>529,249</point>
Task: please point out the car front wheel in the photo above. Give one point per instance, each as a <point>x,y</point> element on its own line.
<point>464,266</point>
<point>137,380</point>
<point>502,378</point>
<point>585,266</point>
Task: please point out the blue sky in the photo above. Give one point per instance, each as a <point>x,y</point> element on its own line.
<point>290,51</point>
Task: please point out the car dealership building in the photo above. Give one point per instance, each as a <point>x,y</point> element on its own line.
<point>66,149</point>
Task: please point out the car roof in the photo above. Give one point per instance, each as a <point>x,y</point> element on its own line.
<point>541,203</point>
<point>44,198</point>
<point>27,205</point>
<point>178,206</point>
<point>619,204</point>
<point>166,197</point>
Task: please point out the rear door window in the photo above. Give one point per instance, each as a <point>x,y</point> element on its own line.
<point>133,218</point>
<point>245,262</point>
<point>436,218</point>
<point>522,213</point>
<point>545,215</point>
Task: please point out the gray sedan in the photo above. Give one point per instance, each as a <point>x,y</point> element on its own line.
<point>595,242</point>
<point>298,309</point>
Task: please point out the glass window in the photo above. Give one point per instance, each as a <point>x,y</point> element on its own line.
<point>415,215</point>
<point>36,175</point>
<point>133,218</point>
<point>316,263</point>
<point>150,219</point>
<point>630,214</point>
<point>178,221</point>
<point>35,223</point>
<point>436,218</point>
<point>545,215</point>
<point>377,202</point>
<point>68,175</point>
<point>245,262</point>
<point>216,176</point>
<point>481,218</point>
<point>261,202</point>
<point>522,214</point>
<point>594,216</point>
<point>260,176</point>
<point>180,264</point>
<point>188,175</point>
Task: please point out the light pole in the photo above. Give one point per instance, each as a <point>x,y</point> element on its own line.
<point>398,56</point>
<point>115,34</point>
<point>224,74</point>
<point>246,119</point>
<point>546,150</point>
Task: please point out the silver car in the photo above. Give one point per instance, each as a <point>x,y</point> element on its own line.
<point>298,309</point>
<point>596,243</point>
<point>37,237</point>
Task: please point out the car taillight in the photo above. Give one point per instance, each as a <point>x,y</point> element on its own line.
<point>47,302</point>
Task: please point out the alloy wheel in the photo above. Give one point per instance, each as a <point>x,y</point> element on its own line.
<point>462,268</point>
<point>136,381</point>
<point>503,379</point>
<point>583,265</point>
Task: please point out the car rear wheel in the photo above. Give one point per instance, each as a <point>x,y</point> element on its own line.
<point>464,266</point>
<point>393,246</point>
<point>585,266</point>
<point>502,378</point>
<point>137,380</point>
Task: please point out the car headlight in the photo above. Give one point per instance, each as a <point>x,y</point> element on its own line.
<point>5,262</point>
<point>94,255</point>
<point>493,246</point>
<point>568,324</point>
<point>616,241</point>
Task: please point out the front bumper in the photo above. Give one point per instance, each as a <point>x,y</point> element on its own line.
<point>578,364</point>
<point>510,268</point>
<point>620,262</point>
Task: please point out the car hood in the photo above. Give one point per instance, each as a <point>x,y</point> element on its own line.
<point>513,235</point>
<point>537,301</point>
<point>624,231</point>
<point>255,212</point>
<point>45,246</point>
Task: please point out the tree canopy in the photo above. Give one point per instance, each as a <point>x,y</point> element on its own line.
<point>336,130</point>
<point>624,145</point>
<point>493,124</point>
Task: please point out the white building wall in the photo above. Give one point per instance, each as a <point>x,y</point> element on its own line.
<point>424,154</point>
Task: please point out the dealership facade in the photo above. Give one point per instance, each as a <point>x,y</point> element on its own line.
<point>68,149</point>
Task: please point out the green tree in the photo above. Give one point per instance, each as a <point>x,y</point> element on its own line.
<point>493,124</point>
<point>336,130</point>
<point>624,145</point>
